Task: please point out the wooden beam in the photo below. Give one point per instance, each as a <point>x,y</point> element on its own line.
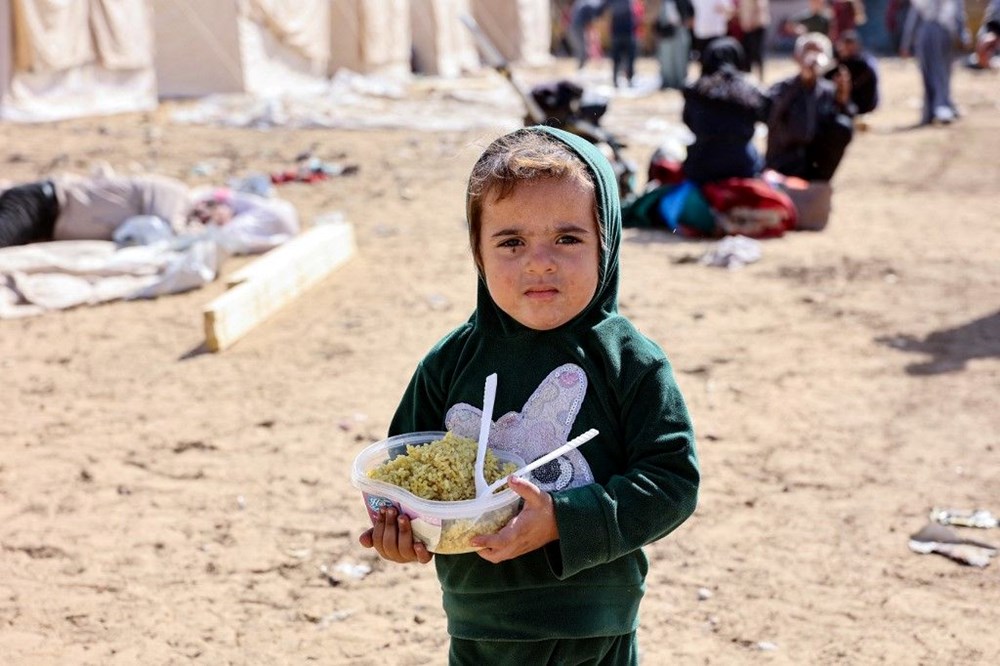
<point>267,284</point>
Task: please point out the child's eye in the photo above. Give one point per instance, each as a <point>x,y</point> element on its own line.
<point>510,242</point>
<point>568,240</point>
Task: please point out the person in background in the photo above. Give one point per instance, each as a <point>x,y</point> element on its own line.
<point>253,223</point>
<point>817,19</point>
<point>895,17</point>
<point>562,581</point>
<point>625,21</point>
<point>988,36</point>
<point>932,27</point>
<point>711,19</point>
<point>754,17</point>
<point>863,69</point>
<point>672,22</point>
<point>810,118</point>
<point>581,19</point>
<point>846,15</point>
<point>722,109</point>
<point>72,207</point>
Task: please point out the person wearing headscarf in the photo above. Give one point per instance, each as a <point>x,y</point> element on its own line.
<point>672,22</point>
<point>722,108</point>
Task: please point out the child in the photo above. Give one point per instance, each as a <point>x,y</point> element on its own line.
<point>561,583</point>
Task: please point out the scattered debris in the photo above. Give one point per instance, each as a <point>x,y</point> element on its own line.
<point>940,539</point>
<point>732,252</point>
<point>964,518</point>
<point>344,571</point>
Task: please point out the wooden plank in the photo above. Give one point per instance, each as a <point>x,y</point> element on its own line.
<point>267,284</point>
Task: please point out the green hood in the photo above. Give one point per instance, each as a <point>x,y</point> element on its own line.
<point>605,301</point>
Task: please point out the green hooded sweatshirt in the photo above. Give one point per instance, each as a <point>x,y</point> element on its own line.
<point>629,486</point>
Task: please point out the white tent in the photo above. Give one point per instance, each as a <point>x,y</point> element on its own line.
<point>370,36</point>
<point>262,47</point>
<point>69,58</point>
<point>442,45</point>
<point>520,29</point>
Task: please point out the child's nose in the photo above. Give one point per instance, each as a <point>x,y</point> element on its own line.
<point>540,260</point>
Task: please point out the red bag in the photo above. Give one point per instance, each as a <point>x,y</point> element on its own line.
<point>750,207</point>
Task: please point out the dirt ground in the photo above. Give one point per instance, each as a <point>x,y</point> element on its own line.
<point>161,505</point>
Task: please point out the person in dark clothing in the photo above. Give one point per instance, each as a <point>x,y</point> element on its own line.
<point>863,69</point>
<point>722,108</point>
<point>810,121</point>
<point>582,15</point>
<point>624,41</point>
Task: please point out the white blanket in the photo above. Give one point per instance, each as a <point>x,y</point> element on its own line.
<point>42,277</point>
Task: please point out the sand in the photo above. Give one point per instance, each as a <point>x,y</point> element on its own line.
<point>162,505</point>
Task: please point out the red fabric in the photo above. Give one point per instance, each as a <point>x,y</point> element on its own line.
<point>750,207</point>
<point>665,171</point>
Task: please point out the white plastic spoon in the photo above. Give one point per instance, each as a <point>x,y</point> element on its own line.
<point>489,394</point>
<point>551,455</point>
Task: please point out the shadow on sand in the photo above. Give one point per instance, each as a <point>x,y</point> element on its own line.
<point>950,349</point>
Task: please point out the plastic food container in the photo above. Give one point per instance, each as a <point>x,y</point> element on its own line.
<point>444,527</point>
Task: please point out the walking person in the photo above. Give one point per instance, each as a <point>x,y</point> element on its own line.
<point>711,21</point>
<point>625,21</point>
<point>932,26</point>
<point>581,18</point>
<point>672,24</point>
<point>754,17</point>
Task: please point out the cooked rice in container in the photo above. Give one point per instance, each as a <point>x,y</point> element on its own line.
<point>442,470</point>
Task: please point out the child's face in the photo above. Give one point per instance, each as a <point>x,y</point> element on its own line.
<point>540,251</point>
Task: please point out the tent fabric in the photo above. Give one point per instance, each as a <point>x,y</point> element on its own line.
<point>122,33</point>
<point>442,45</point>
<point>520,29</point>
<point>51,35</point>
<point>72,58</point>
<point>370,36</point>
<point>293,23</point>
<point>261,47</point>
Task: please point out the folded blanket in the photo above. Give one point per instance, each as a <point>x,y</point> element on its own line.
<point>42,277</point>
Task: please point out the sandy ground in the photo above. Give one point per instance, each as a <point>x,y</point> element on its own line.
<point>161,505</point>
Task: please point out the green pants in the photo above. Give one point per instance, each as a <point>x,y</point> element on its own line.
<point>602,651</point>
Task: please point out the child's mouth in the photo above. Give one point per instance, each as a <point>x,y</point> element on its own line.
<point>541,292</point>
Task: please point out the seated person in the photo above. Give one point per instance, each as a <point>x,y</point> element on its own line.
<point>862,68</point>
<point>811,119</point>
<point>722,108</point>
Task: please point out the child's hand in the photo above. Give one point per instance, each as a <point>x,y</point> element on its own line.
<point>392,539</point>
<point>532,528</point>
